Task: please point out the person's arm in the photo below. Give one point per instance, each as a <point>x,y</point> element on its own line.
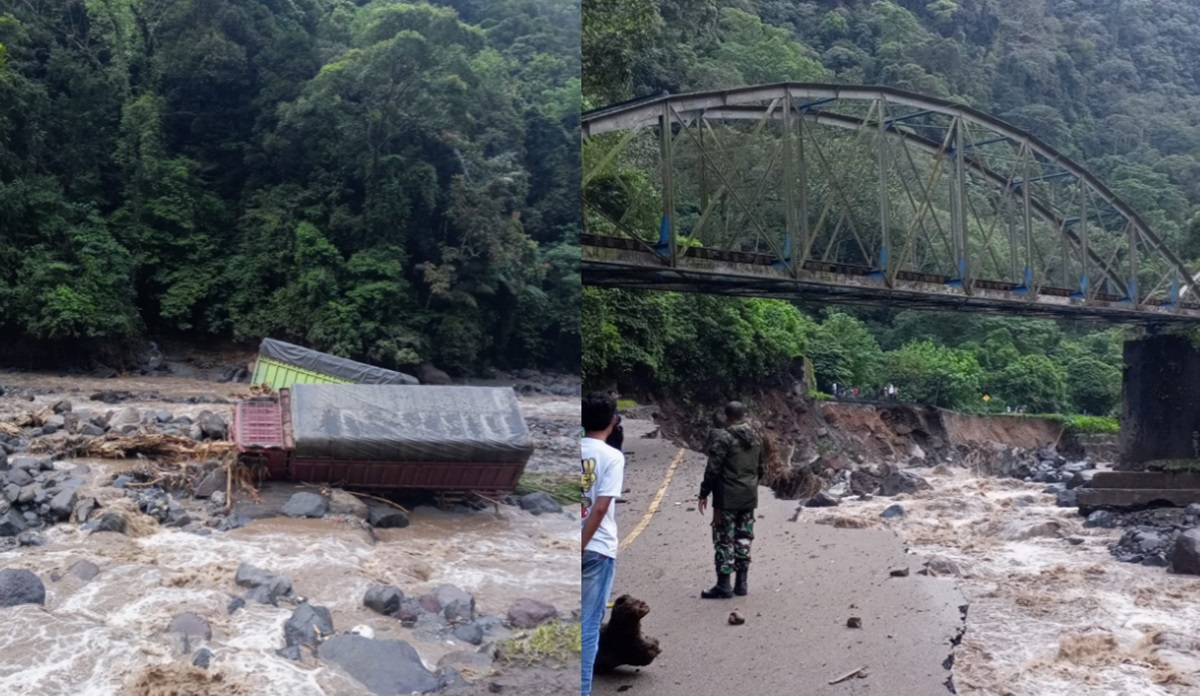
<point>599,510</point>
<point>608,487</point>
<point>712,472</point>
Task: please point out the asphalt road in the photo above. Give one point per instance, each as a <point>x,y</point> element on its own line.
<point>806,580</point>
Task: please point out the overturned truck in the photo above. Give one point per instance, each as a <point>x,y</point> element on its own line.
<point>386,436</point>
<point>281,365</point>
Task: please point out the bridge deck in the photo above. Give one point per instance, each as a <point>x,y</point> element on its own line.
<point>627,263</point>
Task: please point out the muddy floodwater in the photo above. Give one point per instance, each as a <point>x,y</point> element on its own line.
<point>108,635</point>
<point>1051,611</point>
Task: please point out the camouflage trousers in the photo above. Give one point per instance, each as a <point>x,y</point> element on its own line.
<point>732,534</point>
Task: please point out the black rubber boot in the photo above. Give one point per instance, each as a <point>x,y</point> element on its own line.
<point>719,591</point>
<point>739,584</point>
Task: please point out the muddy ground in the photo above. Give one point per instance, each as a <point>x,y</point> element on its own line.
<point>1050,610</point>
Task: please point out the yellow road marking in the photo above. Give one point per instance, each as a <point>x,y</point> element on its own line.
<point>662,490</point>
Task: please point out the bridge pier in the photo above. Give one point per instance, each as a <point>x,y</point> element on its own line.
<point>1160,409</point>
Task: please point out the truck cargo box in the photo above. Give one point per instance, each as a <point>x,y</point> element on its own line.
<point>386,436</point>
<point>282,364</point>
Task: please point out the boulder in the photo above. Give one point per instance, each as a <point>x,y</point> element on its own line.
<point>539,502</point>
<point>306,504</point>
<point>210,483</point>
<point>530,613</point>
<point>63,504</point>
<point>386,517</point>
<point>53,424</point>
<point>212,426</point>
<point>20,477</point>
<point>456,604</point>
<point>306,623</point>
<point>1185,558</point>
<point>91,430</point>
<point>20,586</point>
<point>62,406</point>
<point>385,667</point>
<point>384,599</point>
<point>110,522</point>
<point>410,610</point>
<point>428,374</point>
<point>1067,499</point>
<point>266,587</point>
<point>12,523</point>
<point>1101,518</point>
<point>28,538</point>
<point>892,512</point>
<point>469,633</point>
<point>902,482</point>
<point>125,417</point>
<point>202,658</point>
<point>342,503</point>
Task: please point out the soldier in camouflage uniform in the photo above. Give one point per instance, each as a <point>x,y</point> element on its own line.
<point>735,467</point>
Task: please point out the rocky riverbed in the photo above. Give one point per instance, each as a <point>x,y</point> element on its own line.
<point>116,581</point>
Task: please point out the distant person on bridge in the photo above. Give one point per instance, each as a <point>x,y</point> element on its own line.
<point>735,466</point>
<point>603,475</point>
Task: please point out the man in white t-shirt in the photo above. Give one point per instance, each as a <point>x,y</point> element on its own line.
<point>603,470</point>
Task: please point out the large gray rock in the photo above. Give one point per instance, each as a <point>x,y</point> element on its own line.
<point>386,517</point>
<point>456,604</point>
<point>903,482</point>
<point>305,624</point>
<point>539,502</point>
<point>54,424</point>
<point>384,599</point>
<point>212,426</point>
<point>211,482</point>
<point>109,522</point>
<point>19,586</point>
<point>12,523</point>
<point>20,477</point>
<point>469,633</point>
<point>306,504</point>
<point>385,667</point>
<point>63,504</point>
<point>428,374</point>
<point>1186,556</point>
<point>530,613</point>
<point>32,464</point>
<point>265,587</point>
<point>343,503</point>
<point>125,417</point>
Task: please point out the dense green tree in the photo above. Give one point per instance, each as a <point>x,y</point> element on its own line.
<point>390,181</point>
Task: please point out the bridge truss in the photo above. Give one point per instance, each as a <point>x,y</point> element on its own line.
<point>863,194</point>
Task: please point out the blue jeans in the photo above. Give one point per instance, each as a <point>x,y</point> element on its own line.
<point>597,584</point>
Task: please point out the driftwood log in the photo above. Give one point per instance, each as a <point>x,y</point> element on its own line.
<point>621,639</point>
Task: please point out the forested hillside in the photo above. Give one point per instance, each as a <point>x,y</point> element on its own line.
<point>390,181</point>
<point>1113,83</point>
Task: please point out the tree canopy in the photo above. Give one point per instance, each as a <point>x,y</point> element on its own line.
<point>389,181</point>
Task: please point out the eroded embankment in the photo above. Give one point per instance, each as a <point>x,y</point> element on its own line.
<point>1050,610</point>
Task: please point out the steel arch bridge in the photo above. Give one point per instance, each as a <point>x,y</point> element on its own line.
<point>860,194</point>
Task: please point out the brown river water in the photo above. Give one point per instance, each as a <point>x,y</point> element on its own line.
<point>108,636</point>
<point>1046,617</point>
